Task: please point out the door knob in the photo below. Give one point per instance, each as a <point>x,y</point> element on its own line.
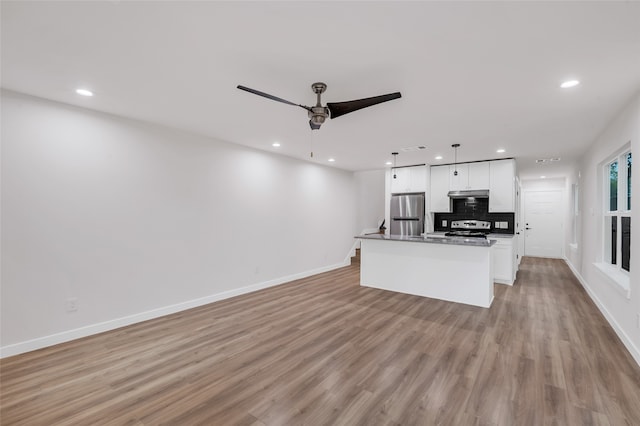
<point>527,228</point>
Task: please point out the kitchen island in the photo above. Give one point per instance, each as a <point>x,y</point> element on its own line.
<point>453,269</point>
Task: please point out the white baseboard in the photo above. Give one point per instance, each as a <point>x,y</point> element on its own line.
<point>633,350</point>
<point>66,336</point>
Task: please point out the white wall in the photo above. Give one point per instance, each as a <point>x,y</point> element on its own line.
<point>621,312</point>
<point>137,220</point>
<point>370,199</point>
<point>543,184</point>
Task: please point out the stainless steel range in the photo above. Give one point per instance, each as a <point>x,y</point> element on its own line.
<point>469,228</point>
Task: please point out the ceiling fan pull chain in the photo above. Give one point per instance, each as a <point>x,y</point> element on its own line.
<point>311,142</point>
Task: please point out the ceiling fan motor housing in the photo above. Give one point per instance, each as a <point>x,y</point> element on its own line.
<point>318,114</point>
<point>318,88</point>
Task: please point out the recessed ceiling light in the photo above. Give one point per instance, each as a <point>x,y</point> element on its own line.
<point>438,157</point>
<point>501,150</point>
<point>84,92</point>
<point>331,160</point>
<point>276,144</point>
<point>388,163</point>
<point>413,148</point>
<point>569,83</point>
<point>542,177</point>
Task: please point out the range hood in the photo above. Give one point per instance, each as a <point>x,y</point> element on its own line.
<point>473,193</point>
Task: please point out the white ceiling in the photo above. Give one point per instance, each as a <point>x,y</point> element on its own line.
<point>482,74</point>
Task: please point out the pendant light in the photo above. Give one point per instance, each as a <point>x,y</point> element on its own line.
<point>393,169</point>
<point>455,147</point>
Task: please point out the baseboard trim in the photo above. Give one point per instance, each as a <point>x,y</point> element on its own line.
<point>66,336</point>
<point>626,341</point>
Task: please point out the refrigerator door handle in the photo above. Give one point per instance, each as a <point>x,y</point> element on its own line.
<point>406,218</point>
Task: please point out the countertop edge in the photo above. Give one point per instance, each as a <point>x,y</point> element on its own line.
<point>468,242</point>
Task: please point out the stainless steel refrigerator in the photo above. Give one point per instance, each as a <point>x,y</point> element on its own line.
<point>407,214</point>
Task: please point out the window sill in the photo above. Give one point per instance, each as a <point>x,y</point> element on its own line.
<point>617,278</point>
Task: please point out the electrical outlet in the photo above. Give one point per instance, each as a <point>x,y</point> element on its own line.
<point>72,304</point>
<point>496,225</point>
<point>444,223</point>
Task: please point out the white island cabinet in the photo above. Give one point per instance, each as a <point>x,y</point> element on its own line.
<point>440,268</point>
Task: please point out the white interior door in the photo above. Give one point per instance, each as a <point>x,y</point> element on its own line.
<point>543,234</point>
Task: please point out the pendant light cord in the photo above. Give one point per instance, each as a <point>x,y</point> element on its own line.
<point>393,169</point>
<point>455,147</point>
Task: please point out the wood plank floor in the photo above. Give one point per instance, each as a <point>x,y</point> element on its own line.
<point>324,350</point>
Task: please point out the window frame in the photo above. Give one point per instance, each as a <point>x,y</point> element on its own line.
<point>620,212</point>
<point>575,213</point>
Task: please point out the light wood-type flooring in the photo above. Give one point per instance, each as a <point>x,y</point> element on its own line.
<point>325,351</point>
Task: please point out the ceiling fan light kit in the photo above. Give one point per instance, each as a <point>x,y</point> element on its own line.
<point>318,114</point>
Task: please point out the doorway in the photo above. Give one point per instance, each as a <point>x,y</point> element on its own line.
<point>543,227</point>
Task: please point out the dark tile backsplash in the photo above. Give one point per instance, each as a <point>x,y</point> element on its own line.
<point>474,208</point>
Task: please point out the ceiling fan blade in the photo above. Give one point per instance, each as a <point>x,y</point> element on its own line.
<point>313,125</point>
<point>273,98</point>
<point>341,108</point>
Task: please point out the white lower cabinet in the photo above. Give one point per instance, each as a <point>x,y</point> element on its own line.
<point>504,260</point>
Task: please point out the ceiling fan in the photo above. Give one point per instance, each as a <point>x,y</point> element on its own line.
<point>318,113</point>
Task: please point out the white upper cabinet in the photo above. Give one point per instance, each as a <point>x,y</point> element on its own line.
<point>418,179</point>
<point>438,196</point>
<point>479,175</point>
<point>400,180</point>
<point>461,180</point>
<point>409,179</point>
<point>502,174</point>
<point>470,176</point>
<point>496,176</point>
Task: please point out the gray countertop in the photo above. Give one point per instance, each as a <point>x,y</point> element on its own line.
<point>476,242</point>
<point>440,234</point>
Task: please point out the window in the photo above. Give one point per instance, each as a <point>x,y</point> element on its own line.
<point>617,211</point>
